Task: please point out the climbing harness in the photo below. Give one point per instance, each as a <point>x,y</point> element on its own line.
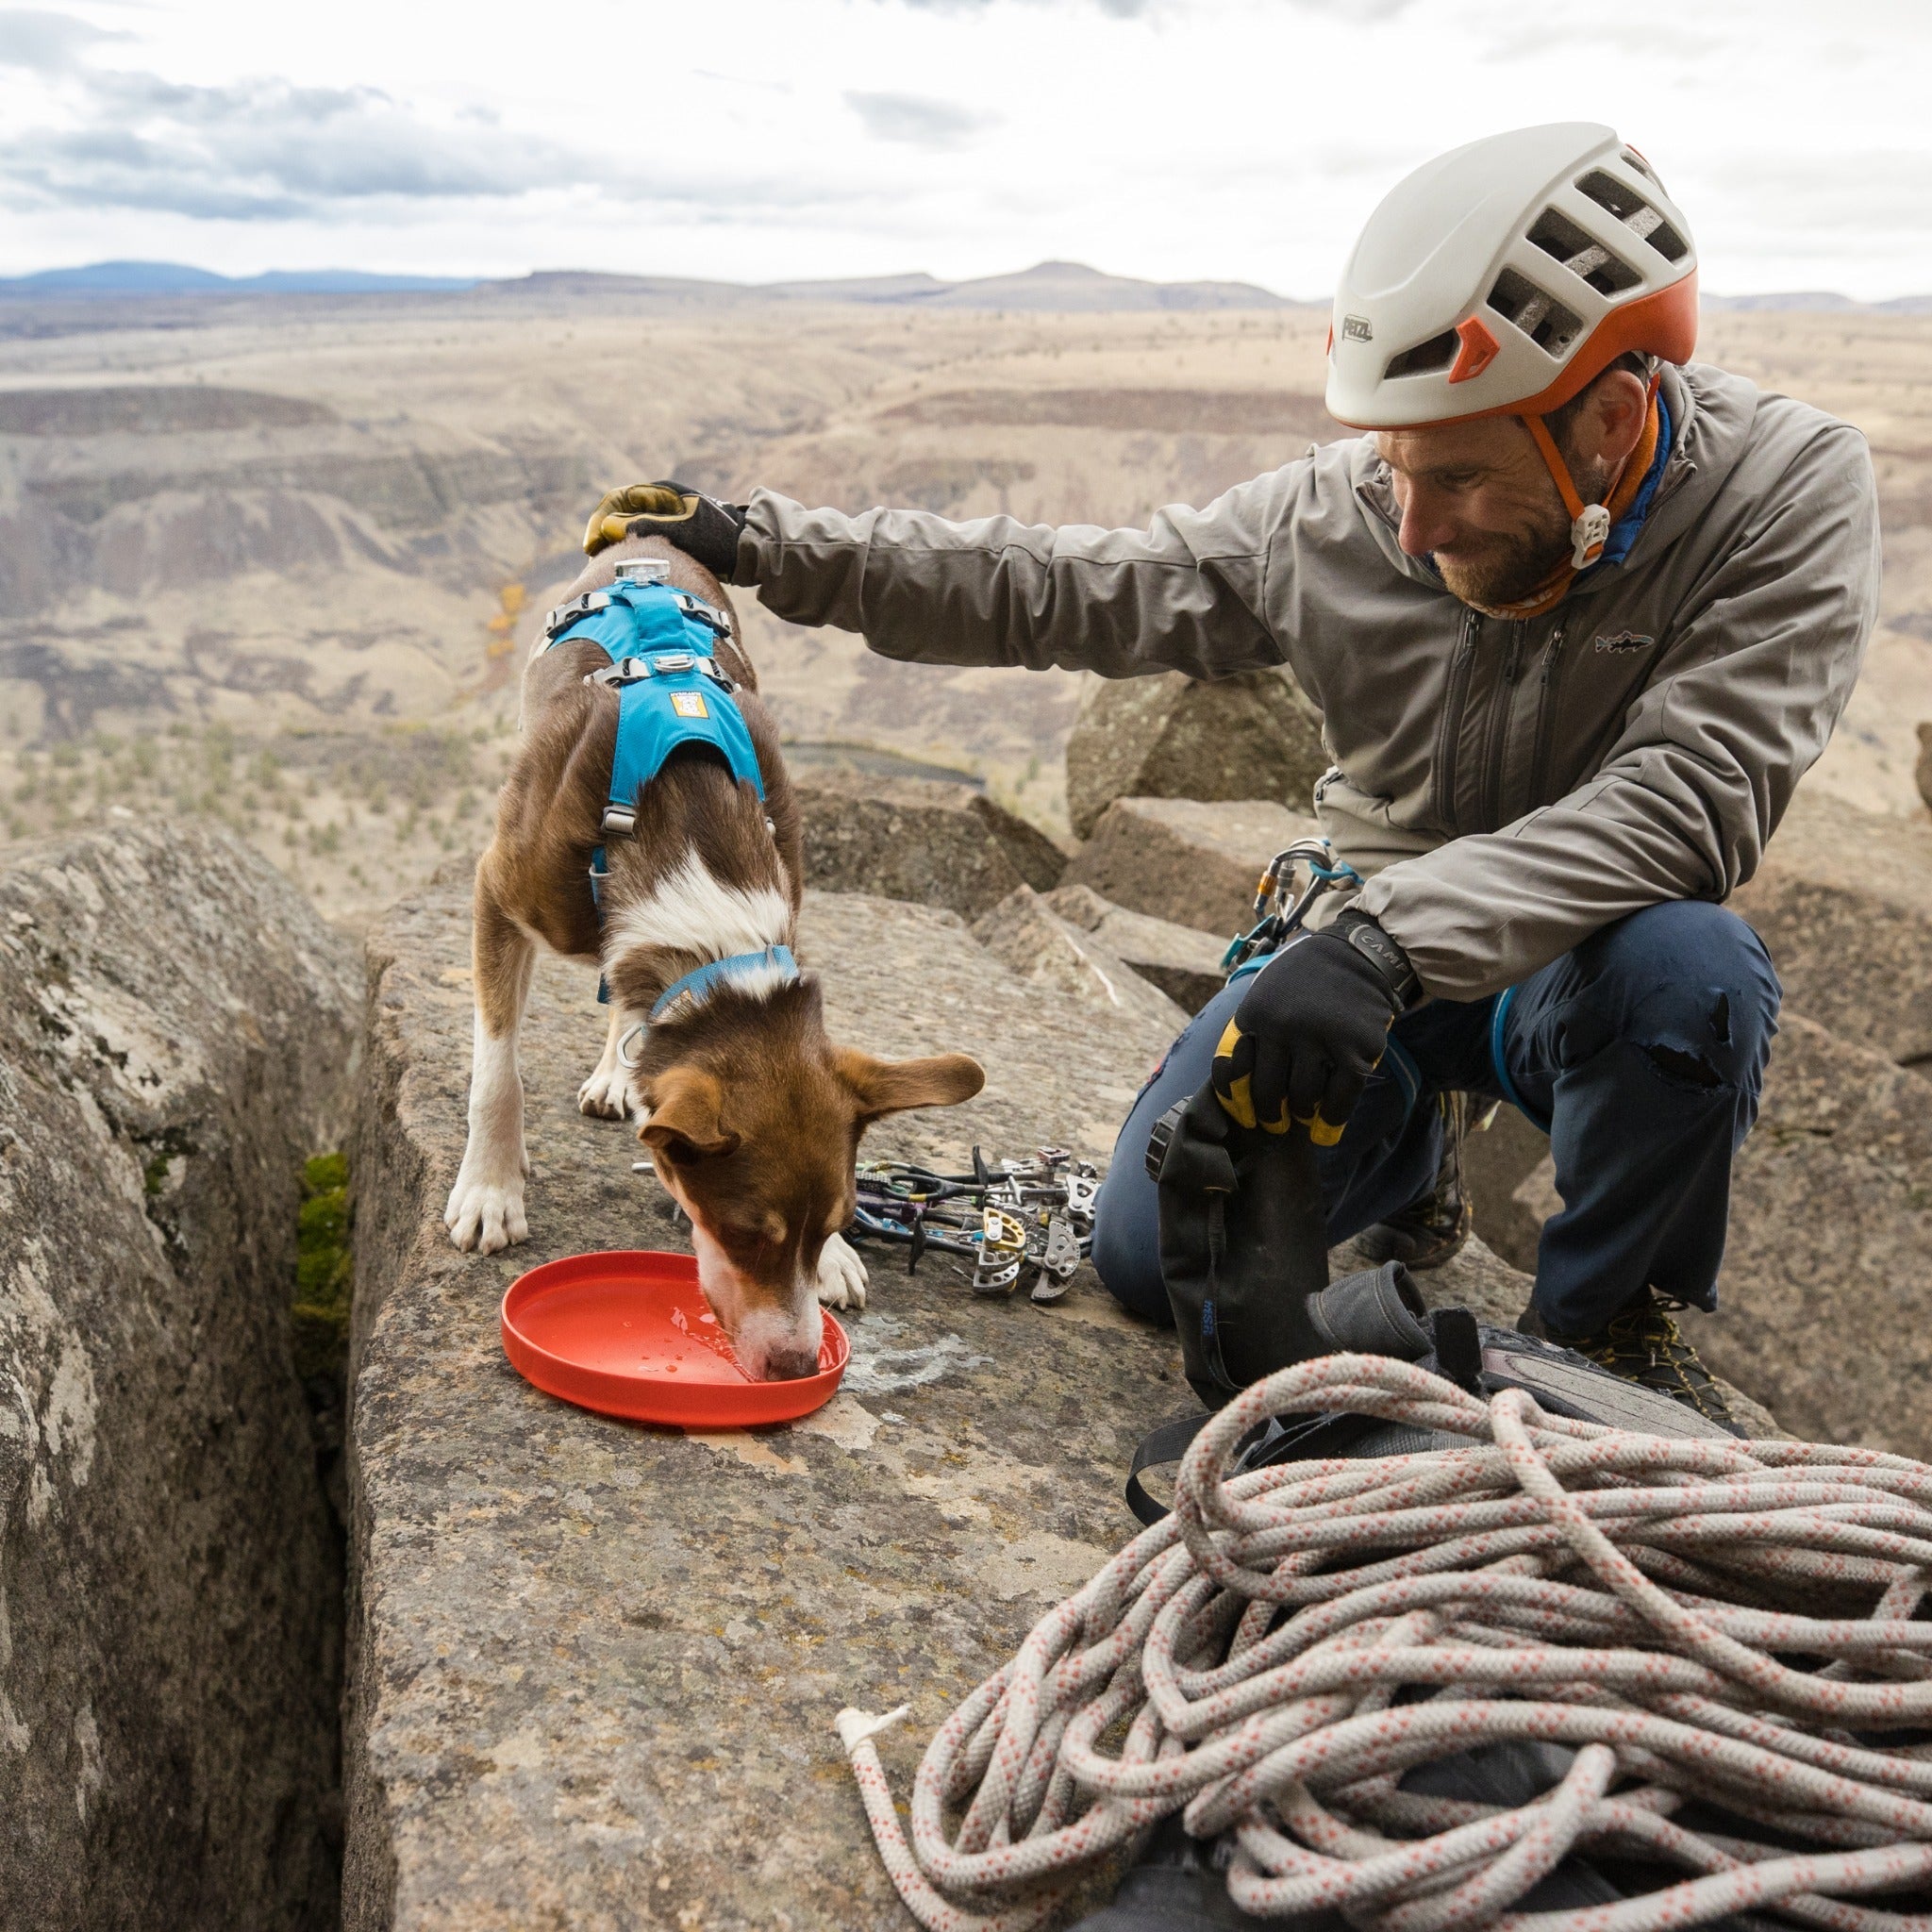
<point>672,692</point>
<point>1278,910</point>
<point>1716,1643</point>
<point>1015,1220</point>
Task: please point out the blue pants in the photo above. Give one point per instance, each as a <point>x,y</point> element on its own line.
<point>1641,1054</point>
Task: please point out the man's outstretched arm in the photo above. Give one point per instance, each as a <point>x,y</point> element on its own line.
<point>1183,594</point>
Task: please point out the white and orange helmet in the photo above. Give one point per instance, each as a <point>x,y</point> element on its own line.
<point>1502,278</point>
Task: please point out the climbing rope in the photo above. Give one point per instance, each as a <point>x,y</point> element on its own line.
<point>1729,1622</point>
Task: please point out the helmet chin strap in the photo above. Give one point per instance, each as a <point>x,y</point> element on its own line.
<point>1590,523</point>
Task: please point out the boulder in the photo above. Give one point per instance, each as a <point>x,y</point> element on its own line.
<point>1180,960</point>
<point>594,1665</point>
<point>176,1025</point>
<point>1826,1297</point>
<point>1843,899</point>
<point>1024,936</point>
<point>1495,1164</point>
<point>1251,736</point>
<point>1190,864</point>
<point>919,839</point>
<point>1922,771</point>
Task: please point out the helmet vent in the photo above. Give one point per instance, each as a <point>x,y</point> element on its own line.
<point>1437,353</point>
<point>1635,213</point>
<point>1544,320</point>
<point>1557,235</point>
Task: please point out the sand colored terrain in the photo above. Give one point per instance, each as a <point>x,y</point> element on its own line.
<point>279,560</point>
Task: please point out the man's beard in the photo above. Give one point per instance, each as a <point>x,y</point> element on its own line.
<point>1508,567</point>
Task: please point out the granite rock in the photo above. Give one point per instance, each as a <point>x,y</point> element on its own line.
<point>1180,960</point>
<point>1190,864</point>
<point>1495,1164</point>
<point>919,839</point>
<point>1844,901</point>
<point>1044,950</point>
<point>1251,736</point>
<point>176,1027</point>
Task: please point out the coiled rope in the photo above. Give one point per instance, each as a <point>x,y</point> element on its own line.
<point>1670,1611</point>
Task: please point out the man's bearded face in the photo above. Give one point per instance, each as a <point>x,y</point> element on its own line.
<point>1478,499</point>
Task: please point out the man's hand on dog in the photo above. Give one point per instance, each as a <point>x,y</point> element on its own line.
<point>700,525</point>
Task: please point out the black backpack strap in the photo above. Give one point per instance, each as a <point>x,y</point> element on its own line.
<point>1168,1443</point>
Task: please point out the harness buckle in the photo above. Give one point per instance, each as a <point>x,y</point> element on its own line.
<point>619,821</point>
<point>566,614</point>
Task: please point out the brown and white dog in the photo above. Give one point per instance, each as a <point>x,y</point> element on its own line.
<point>752,1114</point>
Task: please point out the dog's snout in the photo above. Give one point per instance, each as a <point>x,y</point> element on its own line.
<point>791,1364</point>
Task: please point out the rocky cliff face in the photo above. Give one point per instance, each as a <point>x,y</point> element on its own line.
<point>176,1025</point>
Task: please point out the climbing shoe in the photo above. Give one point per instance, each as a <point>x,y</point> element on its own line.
<point>1642,1344</point>
<point>1430,1230</point>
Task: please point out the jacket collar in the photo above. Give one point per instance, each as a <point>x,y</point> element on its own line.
<point>1710,411</point>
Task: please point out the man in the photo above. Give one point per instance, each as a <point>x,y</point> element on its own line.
<point>1578,614</point>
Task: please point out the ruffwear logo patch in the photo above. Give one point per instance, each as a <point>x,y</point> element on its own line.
<point>1625,641</point>
<point>688,704</point>
<point>1355,328</point>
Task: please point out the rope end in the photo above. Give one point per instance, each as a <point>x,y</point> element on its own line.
<point>855,1726</point>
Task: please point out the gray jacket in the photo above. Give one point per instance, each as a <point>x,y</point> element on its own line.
<point>1506,786</point>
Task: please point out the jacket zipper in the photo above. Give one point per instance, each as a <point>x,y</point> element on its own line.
<point>1496,739</point>
<point>1545,722</point>
<point>1448,732</point>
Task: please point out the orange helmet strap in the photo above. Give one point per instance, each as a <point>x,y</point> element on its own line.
<point>1590,523</point>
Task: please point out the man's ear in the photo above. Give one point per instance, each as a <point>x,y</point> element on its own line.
<point>883,1086</point>
<point>685,1105</point>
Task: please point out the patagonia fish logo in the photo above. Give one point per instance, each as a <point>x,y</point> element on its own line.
<point>1355,328</point>
<point>1625,641</point>
<point>688,704</point>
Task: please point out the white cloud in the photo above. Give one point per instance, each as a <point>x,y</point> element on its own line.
<point>916,120</point>
<point>1165,138</point>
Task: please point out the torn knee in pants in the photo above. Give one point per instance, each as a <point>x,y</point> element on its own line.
<point>1688,1064</point>
<point>1683,1066</point>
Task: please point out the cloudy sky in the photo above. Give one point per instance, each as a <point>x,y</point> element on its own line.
<point>765,139</point>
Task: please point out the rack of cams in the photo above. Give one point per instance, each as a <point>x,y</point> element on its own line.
<point>1016,1220</point>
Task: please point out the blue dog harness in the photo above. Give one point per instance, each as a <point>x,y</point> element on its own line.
<point>672,692</point>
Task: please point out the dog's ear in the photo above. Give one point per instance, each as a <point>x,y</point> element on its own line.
<point>883,1086</point>
<point>684,1125</point>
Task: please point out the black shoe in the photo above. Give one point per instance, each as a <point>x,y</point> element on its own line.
<point>1429,1231</point>
<point>1174,1886</point>
<point>1642,1343</point>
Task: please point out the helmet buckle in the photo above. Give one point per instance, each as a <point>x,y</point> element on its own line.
<point>1588,532</point>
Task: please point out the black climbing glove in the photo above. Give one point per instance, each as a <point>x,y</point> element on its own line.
<point>700,525</point>
<point>1301,1045</point>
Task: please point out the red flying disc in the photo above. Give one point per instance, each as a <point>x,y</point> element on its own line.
<point>629,1333</point>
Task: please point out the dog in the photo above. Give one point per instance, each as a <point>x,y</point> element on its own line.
<point>752,1114</point>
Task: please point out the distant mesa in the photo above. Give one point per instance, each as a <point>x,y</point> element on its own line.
<point>1058,287</point>
<point>1047,286</point>
<point>178,279</point>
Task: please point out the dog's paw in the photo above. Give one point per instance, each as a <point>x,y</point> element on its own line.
<point>485,1216</point>
<point>607,1095</point>
<point>841,1275</point>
